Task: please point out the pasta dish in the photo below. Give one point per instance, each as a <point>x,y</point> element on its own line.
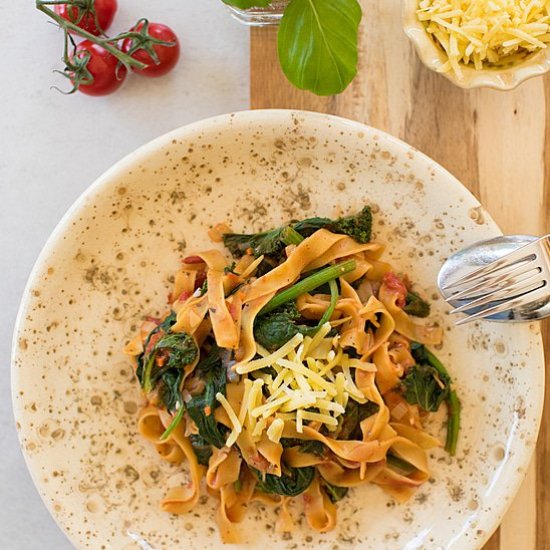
<point>292,373</point>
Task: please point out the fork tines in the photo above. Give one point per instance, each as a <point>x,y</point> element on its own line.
<point>517,279</point>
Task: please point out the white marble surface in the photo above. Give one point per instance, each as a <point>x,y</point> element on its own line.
<point>54,146</point>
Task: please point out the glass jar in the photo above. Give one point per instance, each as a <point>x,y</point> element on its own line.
<point>260,17</point>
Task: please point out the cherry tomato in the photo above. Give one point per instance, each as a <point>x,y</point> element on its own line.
<point>396,286</point>
<point>107,73</point>
<point>167,55</point>
<point>105,12</point>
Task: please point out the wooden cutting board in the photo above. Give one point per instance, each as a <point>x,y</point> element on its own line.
<point>493,142</point>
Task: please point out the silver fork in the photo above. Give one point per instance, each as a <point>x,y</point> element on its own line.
<point>517,279</point>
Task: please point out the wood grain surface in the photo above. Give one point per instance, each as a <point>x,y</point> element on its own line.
<point>494,142</point>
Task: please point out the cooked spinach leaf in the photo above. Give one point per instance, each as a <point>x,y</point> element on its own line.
<point>181,350</point>
<point>399,465</point>
<point>334,493</point>
<point>305,446</point>
<point>202,448</point>
<point>296,481</point>
<point>169,391</point>
<point>415,305</point>
<point>165,327</point>
<point>267,243</point>
<point>428,383</point>
<point>280,325</point>
<point>354,414</point>
<point>201,407</point>
<point>273,242</point>
<point>423,386</point>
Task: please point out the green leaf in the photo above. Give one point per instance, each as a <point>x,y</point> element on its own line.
<point>423,355</point>
<point>424,387</point>
<point>317,44</point>
<point>169,391</point>
<point>296,481</point>
<point>202,448</point>
<point>246,4</point>
<point>399,465</point>
<point>201,407</point>
<point>276,328</point>
<point>182,348</point>
<point>305,446</point>
<point>334,493</point>
<point>354,414</point>
<point>265,243</point>
<point>416,306</point>
<point>182,351</point>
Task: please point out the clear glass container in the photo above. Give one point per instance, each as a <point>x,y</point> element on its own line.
<point>260,17</point>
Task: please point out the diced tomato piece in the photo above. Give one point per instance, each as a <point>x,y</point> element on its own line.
<point>199,279</point>
<point>155,320</point>
<point>193,260</point>
<point>184,295</point>
<point>153,340</point>
<point>396,285</point>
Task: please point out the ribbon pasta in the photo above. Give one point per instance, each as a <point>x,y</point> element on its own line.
<point>322,412</point>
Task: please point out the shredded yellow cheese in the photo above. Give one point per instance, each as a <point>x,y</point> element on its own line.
<point>482,33</point>
<point>275,431</point>
<point>312,373</point>
<point>237,427</point>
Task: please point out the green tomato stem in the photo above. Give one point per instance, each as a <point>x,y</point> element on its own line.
<point>308,284</point>
<point>127,60</point>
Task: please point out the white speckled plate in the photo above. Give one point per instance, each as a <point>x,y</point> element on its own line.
<point>110,260</point>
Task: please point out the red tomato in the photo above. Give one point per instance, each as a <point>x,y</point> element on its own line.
<point>395,285</point>
<point>104,67</point>
<point>167,55</point>
<point>104,10</point>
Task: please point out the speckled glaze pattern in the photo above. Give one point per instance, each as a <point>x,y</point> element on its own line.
<point>111,260</point>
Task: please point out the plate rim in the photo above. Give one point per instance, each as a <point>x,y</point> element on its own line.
<point>259,116</point>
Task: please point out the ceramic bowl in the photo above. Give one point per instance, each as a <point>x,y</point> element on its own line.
<point>434,58</point>
<point>110,260</point>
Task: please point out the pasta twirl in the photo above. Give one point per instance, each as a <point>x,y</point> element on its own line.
<point>296,371</point>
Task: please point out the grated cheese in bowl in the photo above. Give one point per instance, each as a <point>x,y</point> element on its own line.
<point>486,33</point>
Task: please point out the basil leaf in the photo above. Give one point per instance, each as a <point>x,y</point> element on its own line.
<point>317,44</point>
<point>245,4</point>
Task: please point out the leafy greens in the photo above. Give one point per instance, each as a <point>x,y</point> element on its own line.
<point>317,44</point>
<point>428,384</point>
<point>354,414</point>
<point>272,243</point>
<point>291,483</point>
<point>280,325</point>
<point>201,407</point>
<point>415,305</point>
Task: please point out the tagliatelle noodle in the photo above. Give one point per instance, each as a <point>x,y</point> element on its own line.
<point>276,403</point>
